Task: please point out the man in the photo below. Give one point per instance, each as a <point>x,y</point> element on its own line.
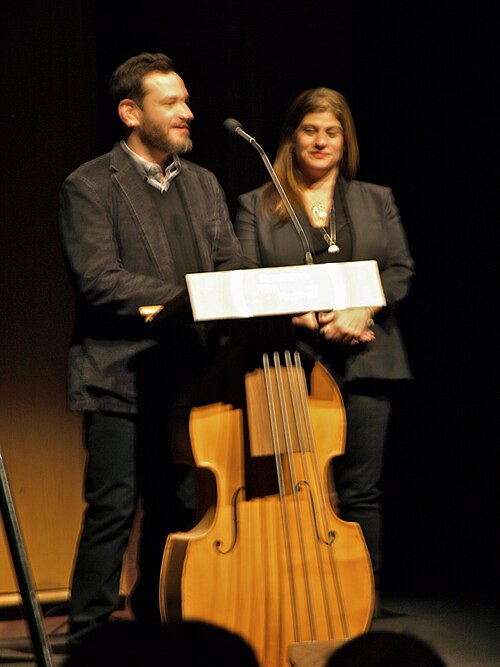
<point>133,222</point>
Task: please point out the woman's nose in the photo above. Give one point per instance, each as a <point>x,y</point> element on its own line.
<point>320,139</point>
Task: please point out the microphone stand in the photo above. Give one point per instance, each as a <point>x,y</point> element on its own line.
<point>238,130</point>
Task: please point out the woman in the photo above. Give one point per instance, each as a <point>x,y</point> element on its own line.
<point>344,220</point>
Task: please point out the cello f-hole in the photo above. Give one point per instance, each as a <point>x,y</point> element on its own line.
<point>234,504</point>
<point>330,534</point>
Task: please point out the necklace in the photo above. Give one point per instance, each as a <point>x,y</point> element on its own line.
<point>320,215</point>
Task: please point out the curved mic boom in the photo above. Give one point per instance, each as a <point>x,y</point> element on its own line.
<point>233,126</point>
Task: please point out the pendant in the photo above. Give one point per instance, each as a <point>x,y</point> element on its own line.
<point>319,213</point>
<point>333,249</point>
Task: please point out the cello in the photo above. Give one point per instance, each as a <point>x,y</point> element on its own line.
<point>269,558</point>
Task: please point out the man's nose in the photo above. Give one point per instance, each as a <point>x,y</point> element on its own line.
<point>186,112</point>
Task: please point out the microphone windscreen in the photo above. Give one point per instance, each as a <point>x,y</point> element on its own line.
<point>231,125</point>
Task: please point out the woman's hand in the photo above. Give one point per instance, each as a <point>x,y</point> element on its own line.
<point>349,326</point>
<point>307,320</point>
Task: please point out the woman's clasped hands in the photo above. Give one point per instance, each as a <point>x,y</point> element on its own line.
<point>348,327</point>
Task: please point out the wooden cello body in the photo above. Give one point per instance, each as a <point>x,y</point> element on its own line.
<point>269,558</point>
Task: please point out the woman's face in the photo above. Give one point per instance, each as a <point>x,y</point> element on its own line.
<point>319,144</point>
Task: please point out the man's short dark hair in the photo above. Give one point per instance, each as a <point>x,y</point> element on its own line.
<point>127,80</point>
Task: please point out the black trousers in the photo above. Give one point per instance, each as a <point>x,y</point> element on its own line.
<point>357,474</point>
<point>111,495</point>
<point>127,457</point>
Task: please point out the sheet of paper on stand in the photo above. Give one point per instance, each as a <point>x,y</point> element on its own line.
<point>284,290</point>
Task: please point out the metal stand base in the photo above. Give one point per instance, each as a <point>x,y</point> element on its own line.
<point>23,573</point>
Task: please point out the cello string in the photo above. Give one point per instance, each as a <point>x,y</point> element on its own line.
<point>299,395</point>
<point>282,491</point>
<point>304,400</point>
<point>294,489</point>
<point>323,510</point>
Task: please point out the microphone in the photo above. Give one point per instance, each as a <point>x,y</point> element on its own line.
<point>234,127</point>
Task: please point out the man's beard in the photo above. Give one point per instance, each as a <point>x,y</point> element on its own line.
<point>151,136</point>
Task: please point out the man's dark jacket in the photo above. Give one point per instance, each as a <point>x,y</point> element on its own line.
<point>120,256</point>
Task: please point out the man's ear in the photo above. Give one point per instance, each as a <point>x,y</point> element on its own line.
<point>128,112</point>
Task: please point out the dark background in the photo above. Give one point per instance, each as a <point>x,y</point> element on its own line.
<point>420,79</point>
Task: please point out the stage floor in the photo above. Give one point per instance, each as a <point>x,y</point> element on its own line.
<point>465,633</point>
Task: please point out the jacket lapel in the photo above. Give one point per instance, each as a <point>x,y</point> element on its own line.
<point>143,212</point>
